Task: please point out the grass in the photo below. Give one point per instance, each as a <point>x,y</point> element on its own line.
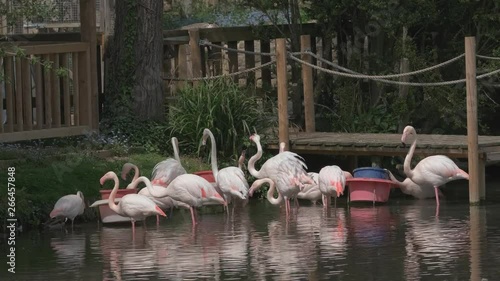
<point>42,179</point>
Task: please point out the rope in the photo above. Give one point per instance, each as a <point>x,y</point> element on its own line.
<point>393,75</point>
<point>222,75</point>
<point>207,43</point>
<point>354,74</point>
<point>487,57</point>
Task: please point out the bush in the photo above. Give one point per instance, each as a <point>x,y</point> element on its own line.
<point>220,105</point>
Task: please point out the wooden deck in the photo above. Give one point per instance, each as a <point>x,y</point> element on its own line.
<point>388,145</point>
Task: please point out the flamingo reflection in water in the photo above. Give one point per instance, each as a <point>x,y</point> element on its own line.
<point>70,252</point>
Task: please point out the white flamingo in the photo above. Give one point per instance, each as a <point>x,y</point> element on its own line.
<point>434,170</point>
<point>241,160</point>
<point>231,181</point>
<point>134,206</point>
<point>331,181</point>
<point>167,170</point>
<point>190,189</point>
<point>68,207</point>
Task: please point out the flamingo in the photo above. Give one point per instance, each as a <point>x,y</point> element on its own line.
<point>311,191</point>
<point>270,192</point>
<point>331,181</point>
<point>231,181</point>
<point>241,160</point>
<point>127,167</point>
<point>167,170</point>
<point>69,206</point>
<point>270,168</point>
<point>190,189</point>
<point>418,191</point>
<point>134,206</point>
<point>434,170</point>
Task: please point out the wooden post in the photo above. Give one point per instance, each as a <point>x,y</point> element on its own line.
<point>307,80</point>
<point>482,177</point>
<point>3,19</point>
<point>194,45</point>
<point>281,76</point>
<point>472,131</point>
<point>88,34</point>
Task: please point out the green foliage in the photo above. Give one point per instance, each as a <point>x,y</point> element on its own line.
<point>223,107</point>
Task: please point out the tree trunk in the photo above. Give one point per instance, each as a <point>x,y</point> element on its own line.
<point>134,87</point>
<point>149,98</point>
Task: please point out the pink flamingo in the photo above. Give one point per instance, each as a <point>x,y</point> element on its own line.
<point>434,170</point>
<point>134,206</point>
<point>331,183</point>
<point>418,191</point>
<point>167,170</point>
<point>311,191</point>
<point>241,160</point>
<point>231,181</point>
<point>127,167</point>
<point>69,206</point>
<point>190,189</point>
<point>270,192</point>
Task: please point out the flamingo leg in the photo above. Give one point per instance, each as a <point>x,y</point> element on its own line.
<point>192,216</point>
<point>335,202</point>
<point>436,190</point>
<point>157,220</point>
<point>133,228</point>
<point>72,224</point>
<point>171,211</point>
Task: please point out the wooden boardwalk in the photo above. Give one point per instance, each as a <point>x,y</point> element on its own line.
<point>356,144</point>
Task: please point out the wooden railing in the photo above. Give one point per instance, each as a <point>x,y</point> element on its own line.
<point>43,102</point>
<point>185,58</point>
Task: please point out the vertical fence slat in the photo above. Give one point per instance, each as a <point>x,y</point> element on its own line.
<point>47,79</point>
<point>84,85</point>
<point>182,66</point>
<point>233,58</point>
<point>27,94</point>
<point>265,47</point>
<point>76,91</point>
<point>38,95</point>
<point>56,93</point>
<point>9,93</point>
<point>2,59</point>
<point>19,96</point>
<point>216,58</point>
<point>65,80</point>
<point>250,62</point>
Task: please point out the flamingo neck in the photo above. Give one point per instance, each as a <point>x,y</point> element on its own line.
<point>111,200</point>
<point>394,179</point>
<point>136,173</point>
<point>253,159</point>
<point>156,192</point>
<point>270,194</point>
<point>409,156</point>
<point>241,160</point>
<point>213,155</point>
<point>175,146</point>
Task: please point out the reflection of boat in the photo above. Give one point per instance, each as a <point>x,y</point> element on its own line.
<point>368,189</point>
<point>371,225</point>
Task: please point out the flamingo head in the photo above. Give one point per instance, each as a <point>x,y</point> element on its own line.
<point>347,175</point>
<point>255,138</point>
<point>206,134</point>
<point>107,176</point>
<point>175,141</point>
<point>126,169</point>
<point>409,130</point>
<point>80,194</point>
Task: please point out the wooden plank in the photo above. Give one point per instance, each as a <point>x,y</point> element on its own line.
<point>19,96</point>
<point>307,79</point>
<point>182,66</point>
<point>2,91</point>
<point>47,78</point>
<point>250,62</point>
<point>233,58</point>
<point>215,57</point>
<point>45,133</point>
<point>56,93</point>
<point>84,85</point>
<point>27,95</point>
<point>55,48</point>
<point>281,73</point>
<point>66,93</point>
<point>195,52</point>
<point>38,95</point>
<point>47,37</point>
<point>265,47</point>
<point>76,91</point>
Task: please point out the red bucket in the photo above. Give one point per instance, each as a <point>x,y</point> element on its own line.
<point>108,215</point>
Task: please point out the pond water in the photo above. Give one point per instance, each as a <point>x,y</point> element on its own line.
<point>402,240</point>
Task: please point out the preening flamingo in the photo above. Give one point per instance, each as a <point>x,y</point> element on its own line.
<point>167,170</point>
<point>409,187</point>
<point>231,181</point>
<point>270,168</point>
<point>270,192</point>
<point>311,191</point>
<point>190,189</point>
<point>134,206</point>
<point>331,183</point>
<point>434,170</point>
<point>68,207</point>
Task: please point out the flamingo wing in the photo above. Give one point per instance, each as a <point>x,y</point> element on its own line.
<point>68,206</point>
<point>232,181</point>
<point>332,179</point>
<point>167,170</point>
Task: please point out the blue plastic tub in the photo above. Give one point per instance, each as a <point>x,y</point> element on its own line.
<point>370,172</point>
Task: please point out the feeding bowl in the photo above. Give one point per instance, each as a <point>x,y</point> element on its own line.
<point>371,172</point>
<point>108,215</point>
<point>208,175</point>
<point>369,189</point>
